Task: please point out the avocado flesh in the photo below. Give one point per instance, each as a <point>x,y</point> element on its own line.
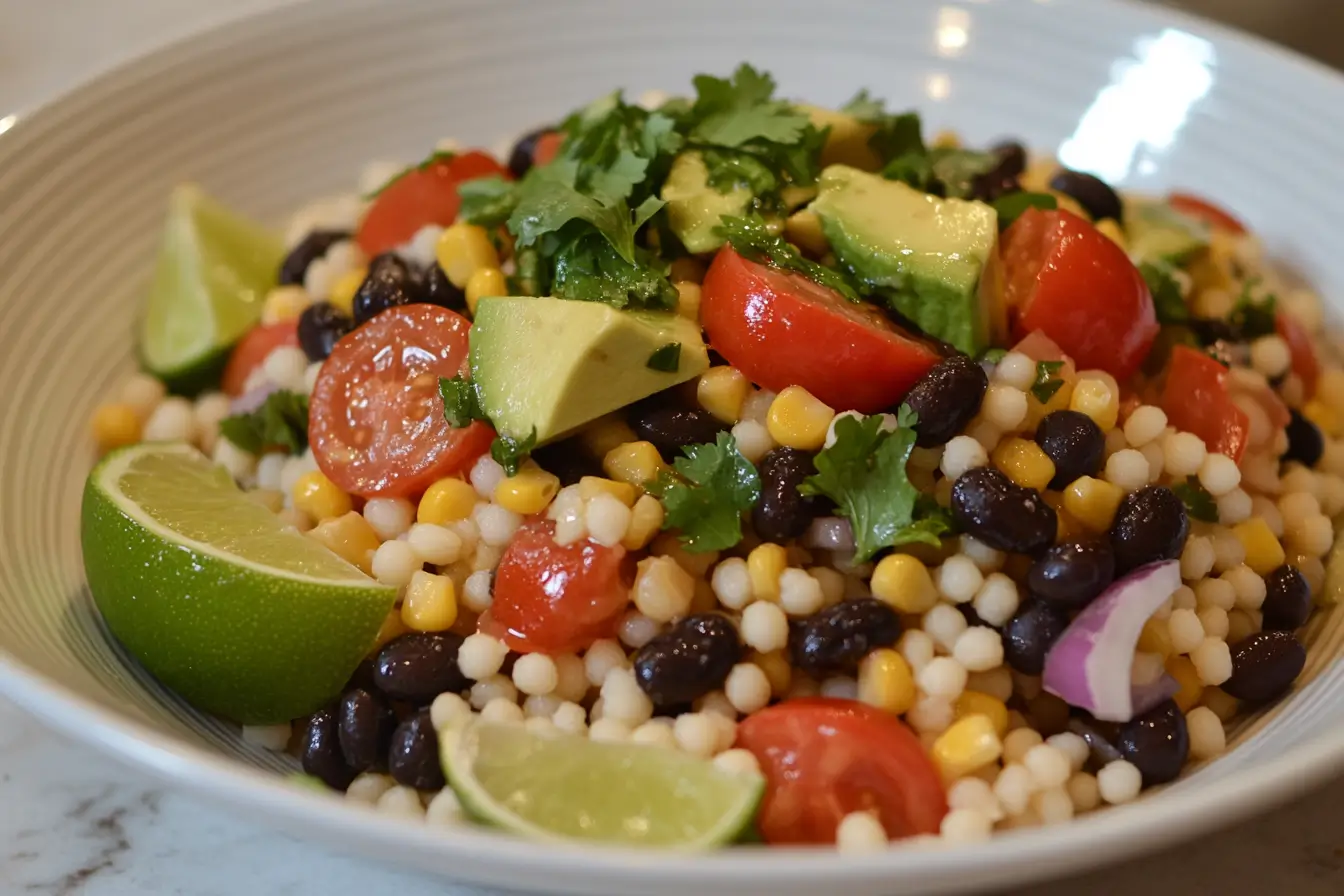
<point>1157,232</point>
<point>847,141</point>
<point>694,208</point>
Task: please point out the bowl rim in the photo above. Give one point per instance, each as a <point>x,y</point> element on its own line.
<point>1035,853</point>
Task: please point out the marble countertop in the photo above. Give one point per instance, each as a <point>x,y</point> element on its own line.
<point>74,822</point>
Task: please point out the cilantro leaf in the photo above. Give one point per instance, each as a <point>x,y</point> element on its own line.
<point>896,136</point>
<point>751,237</point>
<point>865,107</point>
<point>994,355</point>
<point>912,168</point>
<point>613,148</point>
<point>587,268</point>
<point>509,452</point>
<point>733,112</point>
<point>548,205</point>
<point>665,358</point>
<point>1047,384</point>
<point>1011,206</point>
<point>487,201</point>
<point>713,486</point>
<point>957,169</point>
<point>729,169</point>
<point>1167,299</point>
<point>461,401</point>
<point>280,422</point>
<point>1200,504</point>
<point>1250,318</point>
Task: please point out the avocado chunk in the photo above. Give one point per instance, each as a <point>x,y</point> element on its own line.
<point>937,259</point>
<point>1157,232</point>
<point>694,207</point>
<point>556,364</point>
<point>847,141</point>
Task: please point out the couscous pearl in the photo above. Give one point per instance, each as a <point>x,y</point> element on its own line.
<point>624,700</point>
<point>209,410</point>
<point>476,591</point>
<point>1004,407</point>
<point>1207,737</point>
<point>609,731</point>
<point>984,432</point>
<point>1270,356</point>
<point>389,517</point>
<point>1248,587</point>
<point>945,624</point>
<point>535,673</point>
<point>1213,661</point>
<point>1240,625</point>
<point>1144,424</point>
<point>401,802</point>
<point>310,376</point>
<point>269,737</point>
<point>831,581</point>
<point>1016,370</point>
<point>1313,536</point>
<point>960,454</point>
<point>738,762</point>
<point>725,731</point>
<point>1228,551</point>
<point>747,688</point>
<point>965,826</point>
<point>368,787</point>
<point>174,420</point>
<point>636,629</point>
<point>449,710</point>
<point>444,810</point>
<point>607,519</point>
<point>501,709</point>
<point>978,649</point>
<point>1214,622</point>
<point>655,733</point>
<point>238,463</point>
<point>753,440</point>
<point>1152,453</point>
<point>958,579</point>
<point>1219,474</point>
<point>600,658</point>
<point>1049,767</point>
<point>486,475</point>
<point>860,833</point>
<point>1267,510</point>
<point>1184,454</point>
<point>490,688</point>
<point>985,558</point>
<point>1196,558</point>
<point>496,524</point>
<point>799,593</point>
<point>1053,805</point>
<point>1016,720</point>
<point>976,795</point>
<point>1215,593</point>
<point>1084,792</point>
<point>696,733</point>
<point>996,683</point>
<point>143,393</point>
<point>663,590</point>
<point>1119,781</point>
<point>1018,742</point>
<point>1183,598</point>
<point>916,647</point>
<point>1115,441</point>
<point>269,469</point>
<point>757,405</point>
<point>840,687</point>
<point>716,702</point>
<point>481,656</point>
<point>931,715</point>
<point>997,600</point>
<point>1072,746</point>
<point>1013,787</point>
<point>433,544</point>
<point>292,471</point>
<point>1185,630</point>
<point>1127,469</point>
<point>394,563</point>
<point>764,627</point>
<point>570,717</point>
<point>1296,507</point>
<point>286,366</point>
<point>1234,507</point>
<point>731,583</point>
<point>571,677</point>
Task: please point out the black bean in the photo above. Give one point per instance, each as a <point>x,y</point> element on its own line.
<point>781,512</point>
<point>837,638</point>
<point>568,460</point>
<point>689,660</point>
<point>320,751</point>
<point>1209,330</point>
<point>1157,743</point>
<point>1074,442</point>
<point>1287,599</point>
<point>1012,156</point>
<point>994,184</point>
<point>1264,666</point>
<point>946,398</point>
<point>419,666</point>
<point>437,289</point>
<point>364,724</point>
<point>520,157</point>
<point>1030,634</point>
<point>670,428</point>
<point>1004,515</point>
<point>413,756</point>
<point>1150,525</point>
<point>1070,575</point>
<point>310,248</point>
<point>321,326</point>
<point>1092,193</point>
<point>388,284</point>
<point>1305,443</point>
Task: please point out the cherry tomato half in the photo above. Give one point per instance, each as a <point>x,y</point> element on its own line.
<point>1196,400</point>
<point>547,148</point>
<point>1300,348</point>
<point>552,598</point>
<point>782,329</point>
<point>1189,204</point>
<point>824,758</point>
<point>375,418</point>
<point>424,195</point>
<point>1067,279</point>
<point>251,352</point>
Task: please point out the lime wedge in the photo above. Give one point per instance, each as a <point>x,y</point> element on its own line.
<point>566,787</point>
<point>240,614</point>
<point>213,271</point>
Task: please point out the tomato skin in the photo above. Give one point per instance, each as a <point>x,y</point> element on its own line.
<point>1196,399</point>
<point>375,419</point>
<point>1300,348</point>
<point>1214,216</point>
<point>547,148</point>
<point>251,352</point>
<point>552,598</point>
<point>782,329</point>
<point>426,195</point>
<point>824,758</point>
<point>1067,279</point>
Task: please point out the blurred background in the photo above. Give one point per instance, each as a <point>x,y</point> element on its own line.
<point>1311,26</point>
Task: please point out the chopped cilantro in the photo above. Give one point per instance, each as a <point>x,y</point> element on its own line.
<point>434,158</point>
<point>994,355</point>
<point>897,136</point>
<point>752,238</point>
<point>666,358</point>
<point>1011,206</point>
<point>1252,318</point>
<point>1198,502</point>
<point>280,422</point>
<point>736,111</point>
<point>957,169</point>
<point>1047,384</point>
<point>1166,291</point>
<point>706,497</point>
<point>865,107</point>
<point>589,269</point>
<point>461,401</point>
<point>509,452</point>
<point>730,169</point>
<point>487,201</point>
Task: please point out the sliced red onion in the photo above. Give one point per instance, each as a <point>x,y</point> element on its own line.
<point>1146,696</point>
<point>252,399</point>
<point>829,533</point>
<point>1089,666</point>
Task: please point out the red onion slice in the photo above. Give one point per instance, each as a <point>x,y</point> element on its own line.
<point>829,533</point>
<point>1146,696</point>
<point>251,400</point>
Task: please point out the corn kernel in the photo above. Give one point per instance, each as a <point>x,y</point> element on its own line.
<point>722,391</point>
<point>1092,502</point>
<point>777,668</point>
<point>972,703</point>
<point>284,303</point>
<point>1324,416</point>
<point>633,462</point>
<point>430,604</point>
<point>446,501</point>
<point>1110,229</point>
<point>1264,554</point>
<point>349,537</point>
<point>1156,638</point>
<point>1069,204</point>
<point>1097,400</point>
<point>970,744</point>
<point>1037,410</point>
<point>319,497</point>
<point>115,425</point>
<point>798,420</point>
<point>605,433</point>
<point>645,520</point>
<point>904,582</point>
<point>687,269</point>
<point>803,229</point>
<point>886,681</point>
<point>529,492</point>
<point>765,564</point>
<point>485,282</point>
<point>344,289</point>
<point>392,627</point>
<point>592,486</point>
<point>1183,670</point>
<point>462,250</point>
<point>1023,461</point>
<point>688,300</point>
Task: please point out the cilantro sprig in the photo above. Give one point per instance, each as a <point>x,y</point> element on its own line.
<point>462,406</point>
<point>713,485</point>
<point>1047,384</point>
<point>280,422</point>
<point>1011,205</point>
<point>665,358</point>
<point>1253,317</point>
<point>1198,501</point>
<point>753,239</point>
<point>1166,291</point>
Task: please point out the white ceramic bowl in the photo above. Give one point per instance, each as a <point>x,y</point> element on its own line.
<point>271,111</point>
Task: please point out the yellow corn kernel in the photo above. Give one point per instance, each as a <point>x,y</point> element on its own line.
<point>344,289</point>
<point>462,250</point>
<point>972,703</point>
<point>1156,638</point>
<point>688,300</point>
<point>765,564</point>
<point>970,744</point>
<point>1324,416</point>
<point>646,519</point>
<point>115,425</point>
<point>485,282</point>
<point>777,668</point>
<point>446,501</point>
<point>1037,410</point>
<point>528,492</point>
<point>804,230</point>
<point>1223,704</point>
<point>1264,554</point>
<point>1097,400</point>
<point>1092,502</point>
<point>633,462</point>
<point>687,269</point>
<point>1183,670</point>
<point>1110,229</point>
<point>1023,461</point>
<point>284,303</point>
<point>886,681</point>
<point>722,390</point>
<point>798,420</point>
<point>349,537</point>
<point>605,433</point>
<point>592,486</point>
<point>904,582</point>
<point>1068,203</point>
<point>392,627</point>
<point>319,497</point>
<point>1040,171</point>
<point>947,139</point>
<point>430,604</point>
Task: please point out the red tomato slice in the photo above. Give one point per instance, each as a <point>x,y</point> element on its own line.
<point>425,195</point>
<point>782,329</point>
<point>551,598</point>
<point>252,350</point>
<point>547,148</point>
<point>1303,352</point>
<point>1192,205</point>
<point>824,758</point>
<point>1067,279</point>
<point>1196,400</point>
<point>375,419</point>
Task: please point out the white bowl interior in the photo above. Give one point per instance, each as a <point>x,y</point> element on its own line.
<point>267,114</point>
